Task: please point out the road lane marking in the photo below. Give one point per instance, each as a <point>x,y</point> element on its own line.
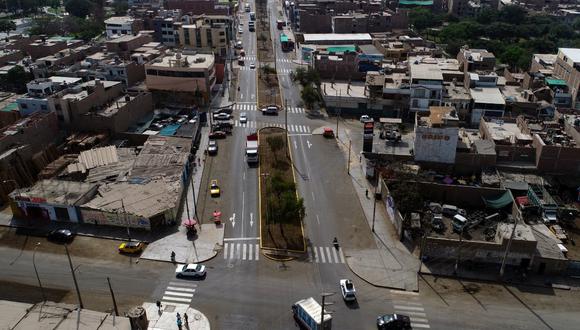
<point>225,250</point>
<point>295,145</point>
<point>232,251</point>
<point>313,198</point>
<point>316,259</point>
<point>257,251</point>
<point>241,239</point>
<point>238,250</point>
<point>243,210</point>
<point>341,255</point>
<point>244,251</point>
<point>178,294</point>
<point>410,313</point>
<point>252,220</point>
<point>308,143</point>
<point>174,288</point>
<point>250,255</point>
<point>418,319</point>
<point>193,285</point>
<point>176,299</point>
<point>407,303</point>
<point>410,308</point>
<point>322,256</point>
<point>409,293</point>
<point>335,255</point>
<point>317,219</point>
<point>419,325</point>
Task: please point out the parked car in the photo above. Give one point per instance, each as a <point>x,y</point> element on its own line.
<point>347,290</point>
<point>221,116</point>
<point>394,322</point>
<point>190,270</point>
<point>240,30</point>
<point>214,189</point>
<point>131,247</point>
<point>224,126</point>
<point>212,147</point>
<point>239,45</point>
<point>243,118</point>
<point>61,236</point>
<point>365,118</point>
<point>252,66</point>
<point>217,135</point>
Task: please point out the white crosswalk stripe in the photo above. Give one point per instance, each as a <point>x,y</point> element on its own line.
<point>291,128</point>
<point>248,58</point>
<point>242,251</point>
<point>325,254</point>
<point>406,302</point>
<point>180,292</point>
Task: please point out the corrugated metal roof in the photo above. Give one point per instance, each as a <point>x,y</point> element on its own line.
<point>98,157</point>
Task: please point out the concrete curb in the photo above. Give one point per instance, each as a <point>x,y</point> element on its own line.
<point>506,282</point>
<point>76,234</point>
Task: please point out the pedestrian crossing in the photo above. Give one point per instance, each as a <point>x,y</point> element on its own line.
<point>407,303</point>
<point>301,129</point>
<point>251,252</point>
<point>249,58</point>
<point>242,251</point>
<point>246,68</point>
<point>253,107</point>
<point>284,71</point>
<point>325,255</point>
<point>178,292</point>
<point>283,60</point>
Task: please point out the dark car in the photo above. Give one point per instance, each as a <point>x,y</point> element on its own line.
<point>217,135</point>
<point>394,322</point>
<point>61,236</point>
<point>223,126</point>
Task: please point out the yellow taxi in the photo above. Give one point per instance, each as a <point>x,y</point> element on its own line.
<point>214,189</point>
<point>131,247</point>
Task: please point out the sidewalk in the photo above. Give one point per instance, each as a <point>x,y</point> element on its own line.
<point>167,318</point>
<point>390,264</point>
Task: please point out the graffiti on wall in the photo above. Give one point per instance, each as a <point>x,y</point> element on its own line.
<point>98,217</point>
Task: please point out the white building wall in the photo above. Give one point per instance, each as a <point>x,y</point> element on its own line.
<point>436,145</point>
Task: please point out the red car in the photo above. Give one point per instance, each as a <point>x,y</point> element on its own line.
<point>217,135</point>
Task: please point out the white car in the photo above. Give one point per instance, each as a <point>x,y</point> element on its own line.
<point>347,290</point>
<point>365,119</point>
<point>243,118</point>
<point>252,65</point>
<point>221,116</point>
<point>212,147</point>
<point>190,270</point>
<point>240,30</point>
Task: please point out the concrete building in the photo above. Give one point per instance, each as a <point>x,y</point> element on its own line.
<point>208,34</point>
<point>510,143</point>
<point>486,102</point>
<point>436,135</point>
<point>337,39</point>
<point>193,74</point>
<point>557,146</point>
<point>10,55</point>
<point>473,60</point>
<point>52,200</point>
<point>72,103</point>
<point>40,46</point>
<point>40,91</point>
<point>567,67</point>
<point>200,7</point>
<point>426,84</point>
<point>117,26</point>
<point>150,197</point>
<point>125,45</point>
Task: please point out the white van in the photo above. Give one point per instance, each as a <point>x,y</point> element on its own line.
<point>459,222</point>
<point>449,210</point>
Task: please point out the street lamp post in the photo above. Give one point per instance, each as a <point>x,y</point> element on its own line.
<point>36,272</point>
<point>324,295</point>
<point>74,277</point>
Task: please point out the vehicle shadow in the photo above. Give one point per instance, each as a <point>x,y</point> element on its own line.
<point>352,304</point>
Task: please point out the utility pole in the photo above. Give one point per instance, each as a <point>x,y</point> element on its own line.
<point>36,272</point>
<point>324,295</point>
<point>348,164</point>
<point>74,277</point>
<point>187,204</point>
<point>194,202</point>
<point>458,251</point>
<point>375,204</point>
<point>507,250</point>
<point>126,221</point>
<point>113,296</point>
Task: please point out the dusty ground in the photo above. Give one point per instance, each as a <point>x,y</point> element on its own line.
<point>265,52</point>
<point>277,236</point>
<point>268,92</point>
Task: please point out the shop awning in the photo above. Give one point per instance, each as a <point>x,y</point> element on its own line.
<point>500,202</point>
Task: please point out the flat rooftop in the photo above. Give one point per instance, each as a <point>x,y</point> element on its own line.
<point>197,61</point>
<point>341,89</point>
<point>487,95</point>
<point>506,131</point>
<point>572,53</point>
<point>346,37</point>
<point>55,192</point>
<point>119,20</point>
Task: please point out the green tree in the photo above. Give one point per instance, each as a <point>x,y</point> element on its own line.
<point>7,25</point>
<point>407,196</point>
<point>486,16</point>
<point>16,79</point>
<point>48,24</point>
<point>276,144</point>
<point>421,19</point>
<point>120,7</point>
<point>512,14</point>
<point>78,8</point>
<point>309,96</point>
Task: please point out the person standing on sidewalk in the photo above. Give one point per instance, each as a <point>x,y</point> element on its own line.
<point>186,321</point>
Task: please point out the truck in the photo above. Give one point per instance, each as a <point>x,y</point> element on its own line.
<point>308,313</point>
<point>252,156</point>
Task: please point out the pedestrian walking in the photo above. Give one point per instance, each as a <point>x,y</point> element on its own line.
<point>185,317</point>
<point>179,324</point>
<point>367,193</point>
<point>173,260</point>
<point>158,303</point>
